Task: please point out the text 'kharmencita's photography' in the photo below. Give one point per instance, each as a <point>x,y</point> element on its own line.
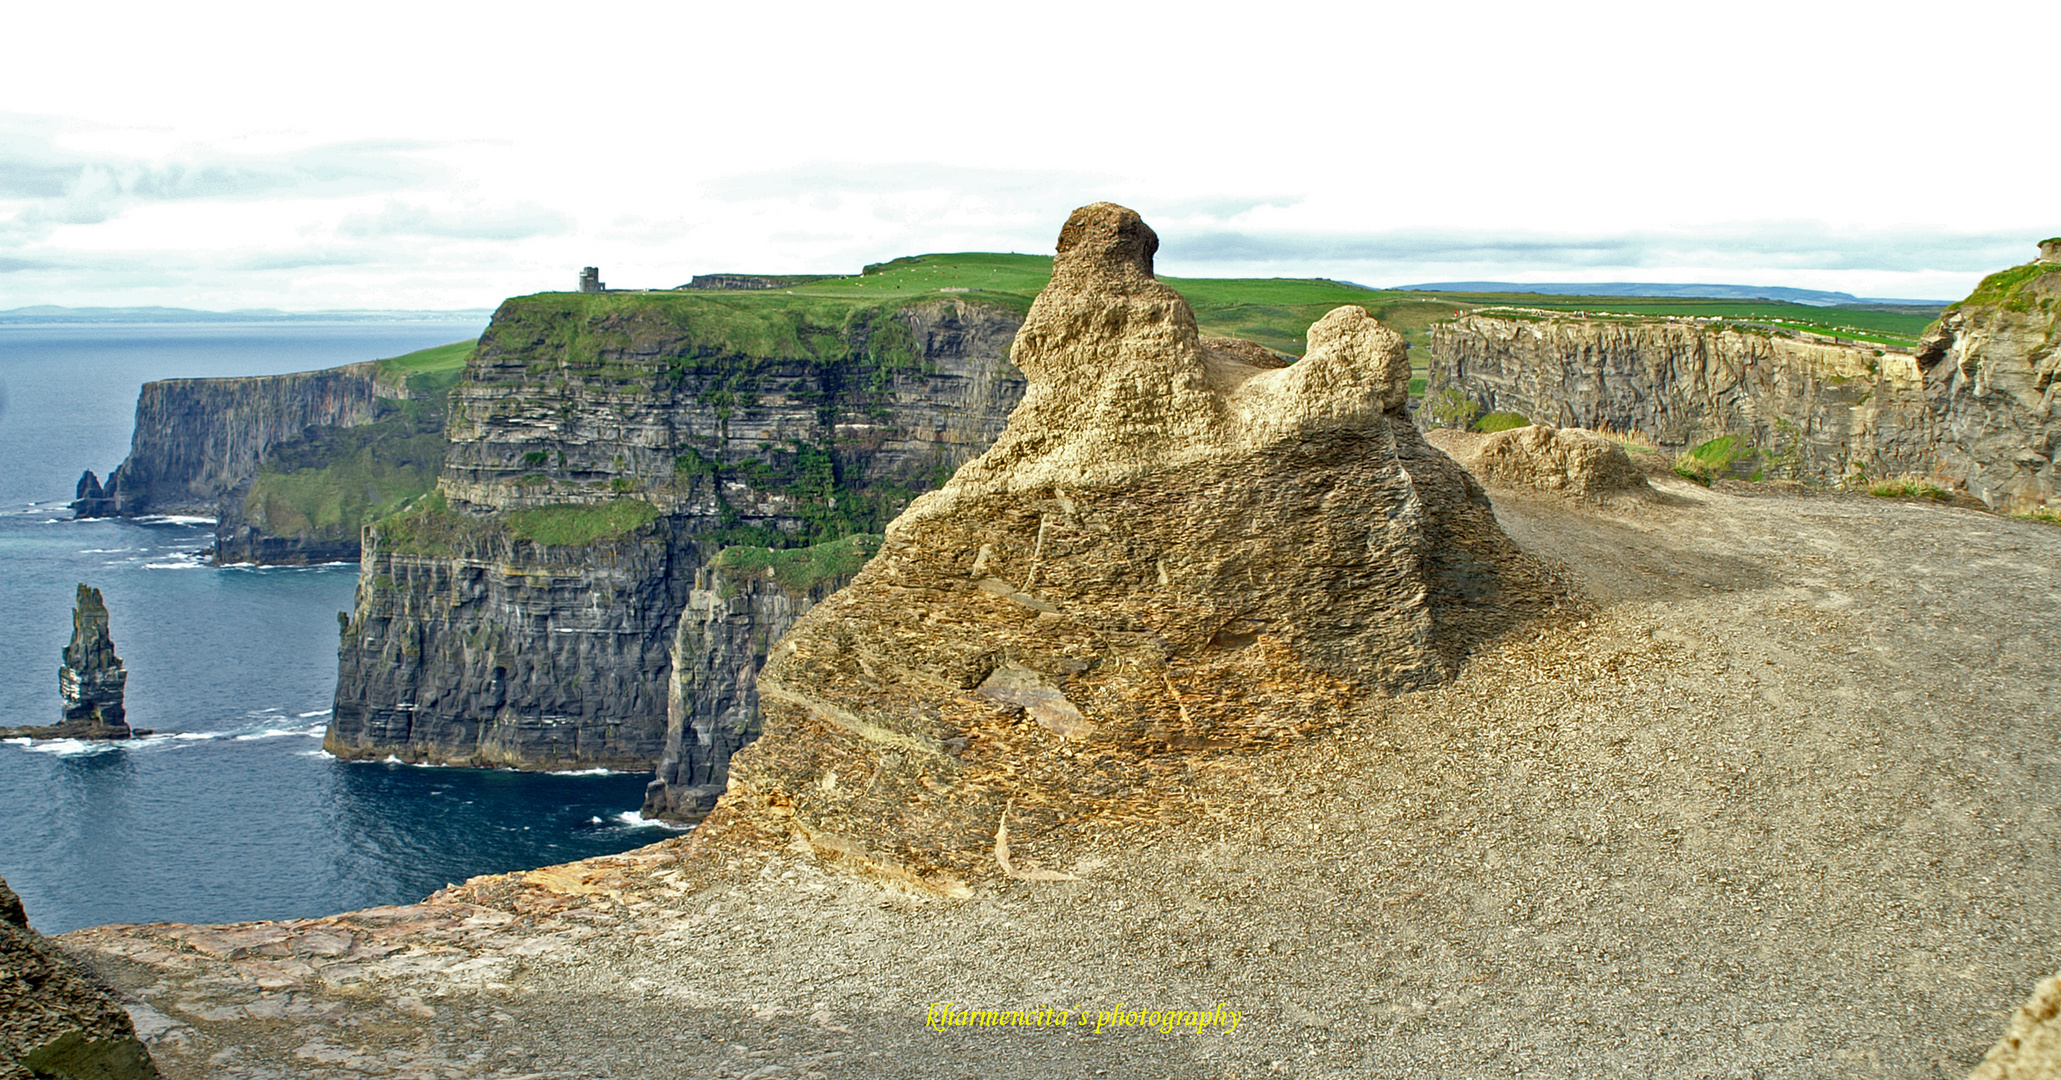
<point>917,542</point>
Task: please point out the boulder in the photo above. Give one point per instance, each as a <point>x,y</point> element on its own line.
<point>1563,461</point>
<point>1171,550</point>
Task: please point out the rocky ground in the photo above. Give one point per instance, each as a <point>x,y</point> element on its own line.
<point>1781,803</point>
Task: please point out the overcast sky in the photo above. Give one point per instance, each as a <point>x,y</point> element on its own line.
<point>428,156</point>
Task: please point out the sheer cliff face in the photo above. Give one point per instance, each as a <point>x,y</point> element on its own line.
<point>1973,408</point>
<point>1991,363</point>
<point>733,617</point>
<point>196,440</point>
<point>1817,412</point>
<point>507,628</point>
<point>1170,551</point>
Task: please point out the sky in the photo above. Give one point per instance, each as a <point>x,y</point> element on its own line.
<point>442,156</point>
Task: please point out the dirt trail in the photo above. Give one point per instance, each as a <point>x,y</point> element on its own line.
<point>1784,804</point>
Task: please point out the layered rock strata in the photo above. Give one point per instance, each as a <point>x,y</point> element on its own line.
<point>743,601</point>
<point>1169,552</point>
<point>601,450</point>
<point>196,440</point>
<point>55,1022</point>
<point>92,680</point>
<point>1814,411</point>
<point>1973,407</point>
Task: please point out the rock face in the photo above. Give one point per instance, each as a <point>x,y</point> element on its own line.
<point>92,679</point>
<point>1972,407</point>
<point>602,449</point>
<point>1814,411</point>
<point>196,440</point>
<point>1990,366</point>
<point>736,612</point>
<point>1561,461</point>
<point>2031,1046</point>
<point>1169,551</point>
<point>54,1021</point>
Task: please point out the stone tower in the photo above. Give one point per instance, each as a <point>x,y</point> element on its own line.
<point>2050,250</point>
<point>590,280</point>
<point>92,678</point>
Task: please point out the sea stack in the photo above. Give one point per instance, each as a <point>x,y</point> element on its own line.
<point>92,678</point>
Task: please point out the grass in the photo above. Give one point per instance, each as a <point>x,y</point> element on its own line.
<point>2044,517</point>
<point>577,524</point>
<point>1905,487</point>
<point>332,502</point>
<point>1877,327</point>
<point>432,370</point>
<point>1706,462</point>
<point>327,484</point>
<point>801,570</point>
<point>1501,421</point>
<point>1276,312</point>
<point>2003,288</point>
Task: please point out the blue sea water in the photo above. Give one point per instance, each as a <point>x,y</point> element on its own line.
<point>239,815</point>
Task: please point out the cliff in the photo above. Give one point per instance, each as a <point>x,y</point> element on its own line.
<point>743,601</point>
<point>196,440</point>
<point>1178,549</point>
<point>1971,407</point>
<point>291,466</point>
<point>601,449</point>
<point>1990,365</point>
<point>1813,411</point>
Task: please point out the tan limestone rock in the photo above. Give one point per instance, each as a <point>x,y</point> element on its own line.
<point>1563,461</point>
<point>1172,551</point>
<point>2031,1046</point>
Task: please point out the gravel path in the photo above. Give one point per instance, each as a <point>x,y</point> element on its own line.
<point>1782,804</point>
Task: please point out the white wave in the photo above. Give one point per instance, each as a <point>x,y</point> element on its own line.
<point>586,772</point>
<point>317,712</point>
<point>188,564</point>
<point>106,551</point>
<point>635,820</point>
<point>268,733</point>
<point>315,753</point>
<point>174,519</point>
<point>67,747</point>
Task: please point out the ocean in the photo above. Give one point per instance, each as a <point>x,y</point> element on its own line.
<point>235,813</point>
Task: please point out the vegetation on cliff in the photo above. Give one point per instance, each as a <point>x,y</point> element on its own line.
<point>318,491</point>
<point>800,570</point>
<point>2007,289</point>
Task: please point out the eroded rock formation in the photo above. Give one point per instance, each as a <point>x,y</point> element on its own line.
<point>92,679</point>
<point>1170,550</point>
<point>56,1023</point>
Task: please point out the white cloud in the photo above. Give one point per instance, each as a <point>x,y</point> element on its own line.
<point>449,154</point>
